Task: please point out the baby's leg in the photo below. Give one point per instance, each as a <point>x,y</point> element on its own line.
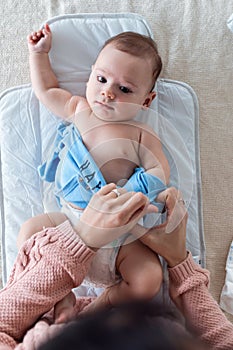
<point>37,224</point>
<point>141,273</point>
<point>63,310</point>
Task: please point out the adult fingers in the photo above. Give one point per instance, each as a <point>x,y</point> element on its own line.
<point>115,193</point>
<point>176,209</point>
<point>135,206</point>
<point>106,189</point>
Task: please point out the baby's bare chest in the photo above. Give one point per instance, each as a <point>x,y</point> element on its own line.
<point>112,142</point>
<point>115,151</point>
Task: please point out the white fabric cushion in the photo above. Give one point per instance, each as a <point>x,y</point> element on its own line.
<point>230,22</point>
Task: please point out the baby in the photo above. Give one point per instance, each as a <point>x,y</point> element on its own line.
<point>103,144</point>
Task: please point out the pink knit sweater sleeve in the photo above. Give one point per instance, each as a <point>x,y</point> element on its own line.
<point>48,266</point>
<point>189,290</point>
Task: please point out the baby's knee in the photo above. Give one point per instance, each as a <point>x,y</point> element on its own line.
<point>37,224</point>
<point>148,288</point>
<point>27,229</point>
<point>147,284</point>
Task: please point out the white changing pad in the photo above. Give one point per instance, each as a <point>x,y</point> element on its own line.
<point>27,129</point>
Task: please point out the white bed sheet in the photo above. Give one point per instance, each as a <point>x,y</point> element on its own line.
<point>27,129</point>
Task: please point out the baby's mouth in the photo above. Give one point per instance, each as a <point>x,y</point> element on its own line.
<point>104,105</point>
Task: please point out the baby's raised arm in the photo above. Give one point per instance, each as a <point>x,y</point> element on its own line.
<point>44,81</point>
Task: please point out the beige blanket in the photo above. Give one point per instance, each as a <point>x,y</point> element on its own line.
<point>197,48</point>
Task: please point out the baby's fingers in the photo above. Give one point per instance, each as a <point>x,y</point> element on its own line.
<point>47,28</point>
<point>34,37</point>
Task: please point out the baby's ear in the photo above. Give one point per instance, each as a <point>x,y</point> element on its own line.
<point>146,102</point>
<point>149,99</point>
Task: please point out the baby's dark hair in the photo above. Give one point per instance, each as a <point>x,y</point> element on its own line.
<point>140,46</point>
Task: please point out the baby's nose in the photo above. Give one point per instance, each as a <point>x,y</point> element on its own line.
<point>108,94</point>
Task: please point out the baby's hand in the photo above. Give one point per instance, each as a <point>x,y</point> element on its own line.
<point>41,40</point>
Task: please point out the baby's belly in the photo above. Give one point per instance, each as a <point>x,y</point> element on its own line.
<point>118,171</point>
<point>116,159</point>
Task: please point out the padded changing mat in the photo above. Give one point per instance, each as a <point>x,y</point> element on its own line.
<point>28,128</point>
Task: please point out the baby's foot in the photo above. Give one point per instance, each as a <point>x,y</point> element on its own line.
<point>102,301</point>
<point>64,309</point>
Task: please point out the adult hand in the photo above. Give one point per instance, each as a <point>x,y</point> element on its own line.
<point>109,216</point>
<point>169,239</point>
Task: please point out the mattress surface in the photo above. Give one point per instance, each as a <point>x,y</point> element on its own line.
<point>28,128</point>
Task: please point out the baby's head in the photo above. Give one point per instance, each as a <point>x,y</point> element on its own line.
<point>125,70</point>
<point>138,45</point>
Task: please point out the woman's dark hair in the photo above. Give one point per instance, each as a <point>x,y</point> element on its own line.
<point>132,326</point>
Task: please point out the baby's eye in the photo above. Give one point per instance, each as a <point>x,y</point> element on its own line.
<point>125,90</point>
<point>101,79</point>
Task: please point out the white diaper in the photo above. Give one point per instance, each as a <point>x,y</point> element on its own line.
<point>102,271</point>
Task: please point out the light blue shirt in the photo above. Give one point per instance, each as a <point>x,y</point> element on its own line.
<point>77,177</point>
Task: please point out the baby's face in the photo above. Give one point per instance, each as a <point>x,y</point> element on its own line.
<point>119,85</point>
